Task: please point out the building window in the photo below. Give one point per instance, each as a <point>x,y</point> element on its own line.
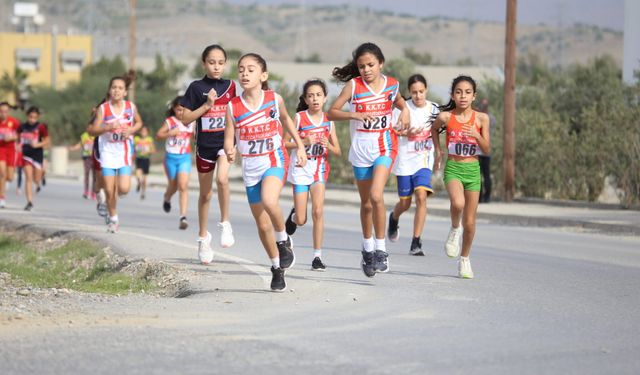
<point>72,61</point>
<point>28,59</point>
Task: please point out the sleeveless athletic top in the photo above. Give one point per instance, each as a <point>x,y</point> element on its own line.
<point>459,144</point>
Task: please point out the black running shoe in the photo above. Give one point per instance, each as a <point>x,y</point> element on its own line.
<point>367,263</point>
<point>277,280</point>
<point>44,181</point>
<point>392,229</point>
<point>381,263</point>
<point>416,247</point>
<point>287,256</point>
<point>38,188</point>
<point>183,223</point>
<point>290,225</point>
<point>317,264</point>
<point>166,206</point>
<point>28,207</point>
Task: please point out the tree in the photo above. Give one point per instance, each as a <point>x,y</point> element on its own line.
<point>16,85</point>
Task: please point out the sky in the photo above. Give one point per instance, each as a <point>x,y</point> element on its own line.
<point>603,13</point>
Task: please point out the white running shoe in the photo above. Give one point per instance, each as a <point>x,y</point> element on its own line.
<point>3,204</point>
<point>226,234</point>
<point>464,268</point>
<point>102,197</point>
<point>112,226</point>
<point>205,252</point>
<point>452,246</point>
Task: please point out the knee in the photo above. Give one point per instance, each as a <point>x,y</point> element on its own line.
<point>366,206</point>
<point>457,204</point>
<point>270,203</point>
<point>222,182</point>
<point>206,196</point>
<point>317,213</point>
<point>264,225</point>
<point>421,197</point>
<point>469,224</point>
<point>376,198</point>
<point>404,204</point>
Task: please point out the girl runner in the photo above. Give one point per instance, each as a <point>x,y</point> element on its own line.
<point>467,137</point>
<point>374,143</point>
<point>144,147</point>
<point>34,137</point>
<point>415,163</point>
<point>177,162</point>
<point>8,136</point>
<point>205,102</point>
<point>86,145</point>
<point>255,120</point>
<point>116,121</point>
<point>319,137</point>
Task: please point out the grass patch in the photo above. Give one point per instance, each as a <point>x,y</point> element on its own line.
<point>76,264</point>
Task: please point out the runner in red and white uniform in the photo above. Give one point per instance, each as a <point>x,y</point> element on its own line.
<point>205,102</point>
<point>8,137</point>
<point>319,136</point>
<point>374,143</point>
<point>116,121</point>
<point>467,137</point>
<point>34,137</point>
<point>254,121</point>
<point>177,161</point>
<point>414,165</point>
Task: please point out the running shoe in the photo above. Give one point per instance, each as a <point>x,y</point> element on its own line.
<point>93,196</point>
<point>277,280</point>
<point>226,234</point>
<point>205,252</point>
<point>290,226</point>
<point>3,203</point>
<point>416,247</point>
<point>166,206</point>
<point>287,256</point>
<point>112,226</point>
<point>464,268</point>
<point>102,209</point>
<point>28,207</point>
<point>183,223</point>
<point>381,261</point>
<point>452,246</point>
<point>142,197</point>
<point>367,263</point>
<point>393,232</point>
<point>38,188</point>
<point>85,195</point>
<point>318,265</point>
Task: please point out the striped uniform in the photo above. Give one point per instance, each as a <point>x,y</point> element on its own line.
<point>373,139</point>
<point>116,151</point>
<point>317,167</point>
<point>181,143</point>
<point>258,137</point>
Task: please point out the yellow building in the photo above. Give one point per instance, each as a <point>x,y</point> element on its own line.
<point>51,60</point>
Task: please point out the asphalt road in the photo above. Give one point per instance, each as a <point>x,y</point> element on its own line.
<point>543,301</point>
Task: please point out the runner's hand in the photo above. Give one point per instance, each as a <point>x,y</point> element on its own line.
<point>301,155</point>
<point>211,97</point>
<point>231,156</point>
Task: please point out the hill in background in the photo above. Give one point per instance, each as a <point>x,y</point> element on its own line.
<point>285,32</point>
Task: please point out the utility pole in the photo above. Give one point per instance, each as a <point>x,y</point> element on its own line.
<point>509,135</point>
<point>132,46</point>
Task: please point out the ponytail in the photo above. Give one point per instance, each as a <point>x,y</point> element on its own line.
<point>350,70</point>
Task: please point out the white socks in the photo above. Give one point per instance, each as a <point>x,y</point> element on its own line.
<point>281,236</point>
<point>368,244</point>
<point>275,262</point>
<point>381,244</point>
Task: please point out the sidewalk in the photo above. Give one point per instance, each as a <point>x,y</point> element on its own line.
<point>591,217</point>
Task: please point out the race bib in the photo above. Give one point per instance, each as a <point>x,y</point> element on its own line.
<point>259,139</point>
<point>28,138</point>
<point>464,149</point>
<point>381,113</point>
<point>420,143</point>
<point>214,119</point>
